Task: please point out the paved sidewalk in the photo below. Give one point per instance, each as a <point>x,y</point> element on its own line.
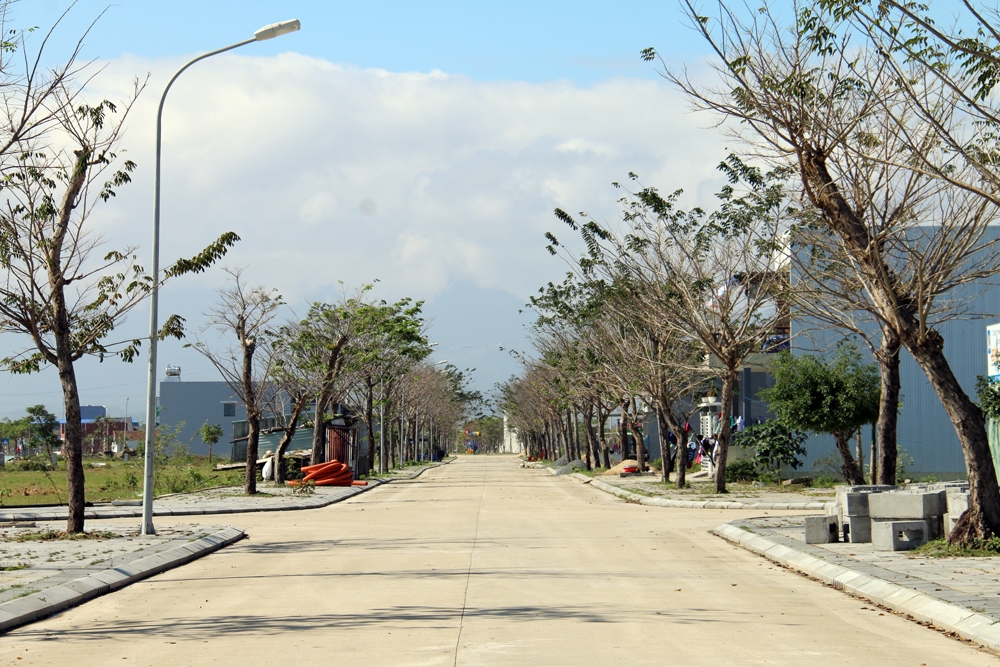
<point>224,500</point>
<point>958,595</point>
<point>734,504</point>
<point>34,564</point>
<point>64,579</point>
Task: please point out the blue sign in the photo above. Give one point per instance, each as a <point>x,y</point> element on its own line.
<point>4,441</point>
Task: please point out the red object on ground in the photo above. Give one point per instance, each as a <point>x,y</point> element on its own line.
<point>333,467</point>
<point>331,473</point>
<point>630,469</point>
<point>359,482</point>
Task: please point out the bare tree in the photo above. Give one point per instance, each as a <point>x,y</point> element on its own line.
<point>719,278</point>
<point>294,387</point>
<point>245,313</point>
<point>812,99</point>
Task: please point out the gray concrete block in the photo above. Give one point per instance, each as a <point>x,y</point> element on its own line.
<point>907,505</point>
<point>855,504</point>
<point>858,529</point>
<point>821,529</point>
<point>898,535</point>
<point>957,503</point>
<point>842,491</point>
<point>935,527</point>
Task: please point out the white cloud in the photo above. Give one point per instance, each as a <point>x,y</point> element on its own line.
<point>422,180</point>
<point>311,159</point>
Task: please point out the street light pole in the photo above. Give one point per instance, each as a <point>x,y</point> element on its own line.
<point>267,32</point>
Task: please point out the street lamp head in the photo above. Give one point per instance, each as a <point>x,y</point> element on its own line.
<point>277,30</point>
<point>443,361</point>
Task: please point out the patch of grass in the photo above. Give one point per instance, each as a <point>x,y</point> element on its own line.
<point>51,535</point>
<point>116,480</point>
<point>826,481</point>
<point>14,566</point>
<point>988,548</point>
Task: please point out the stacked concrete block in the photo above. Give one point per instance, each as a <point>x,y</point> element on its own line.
<point>852,510</point>
<point>896,517</point>
<point>898,535</point>
<point>821,529</point>
<point>892,518</point>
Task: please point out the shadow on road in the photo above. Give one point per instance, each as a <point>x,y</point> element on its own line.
<point>211,627</point>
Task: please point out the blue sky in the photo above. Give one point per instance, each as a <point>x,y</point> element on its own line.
<point>535,41</point>
<point>422,145</point>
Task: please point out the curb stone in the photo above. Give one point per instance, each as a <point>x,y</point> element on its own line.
<point>697,504</point>
<point>210,507</point>
<point>965,623</point>
<point>29,608</point>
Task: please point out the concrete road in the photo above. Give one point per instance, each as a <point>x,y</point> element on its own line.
<point>481,563</point>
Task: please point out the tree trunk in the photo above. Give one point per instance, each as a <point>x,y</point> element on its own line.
<point>73,444</point>
<point>319,431</point>
<point>859,453</point>
<point>623,430</point>
<point>888,411</point>
<point>850,470</point>
<point>663,429</point>
<point>286,438</point>
<point>728,381</point>
<point>640,445</point>
<point>873,458</point>
<point>253,438</point>
<point>592,445</point>
<point>602,418</point>
<point>63,335</point>
<point>574,425</point>
<point>369,419</point>
<point>982,519</point>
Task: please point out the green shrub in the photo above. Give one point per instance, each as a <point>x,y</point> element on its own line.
<point>903,461</point>
<point>827,481</point>
<point>32,464</point>
<point>742,470</point>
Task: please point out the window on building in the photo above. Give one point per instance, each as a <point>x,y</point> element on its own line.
<point>228,409</point>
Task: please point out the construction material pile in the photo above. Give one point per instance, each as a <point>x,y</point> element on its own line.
<point>625,466</point>
<point>332,473</point>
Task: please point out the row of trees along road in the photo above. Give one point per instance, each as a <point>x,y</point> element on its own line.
<point>61,158</point>
<point>62,292</point>
<point>879,131</point>
<point>359,352</point>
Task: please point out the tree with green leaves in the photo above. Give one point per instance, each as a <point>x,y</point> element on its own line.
<point>44,429</point>
<point>774,445</point>
<point>885,122</point>
<point>390,337</point>
<point>210,435</point>
<point>836,396</point>
<point>58,291</point>
<point>717,278</point>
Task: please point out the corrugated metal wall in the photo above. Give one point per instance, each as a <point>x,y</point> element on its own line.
<point>925,431</point>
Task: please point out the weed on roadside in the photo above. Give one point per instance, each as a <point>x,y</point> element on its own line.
<point>50,535</point>
<point>981,548</point>
<point>14,566</point>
